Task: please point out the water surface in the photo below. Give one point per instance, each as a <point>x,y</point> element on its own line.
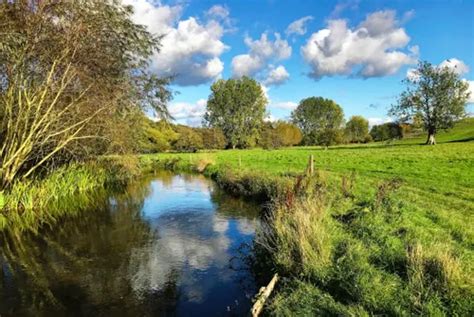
<point>172,245</point>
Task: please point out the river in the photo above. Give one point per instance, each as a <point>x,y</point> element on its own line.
<point>170,245</point>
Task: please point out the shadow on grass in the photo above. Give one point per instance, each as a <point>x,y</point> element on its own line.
<point>378,146</point>
<point>468,139</point>
<point>360,146</point>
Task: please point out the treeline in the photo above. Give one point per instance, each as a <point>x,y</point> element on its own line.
<point>235,118</point>
<point>163,136</point>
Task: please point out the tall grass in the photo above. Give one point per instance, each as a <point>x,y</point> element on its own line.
<point>361,262</point>
<point>68,190</point>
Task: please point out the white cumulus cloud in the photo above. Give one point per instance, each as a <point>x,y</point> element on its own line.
<point>261,52</point>
<point>456,65</point>
<point>218,11</point>
<point>190,49</point>
<point>376,47</point>
<point>277,76</point>
<point>285,105</point>
<point>299,26</point>
<point>188,111</point>
<point>378,121</point>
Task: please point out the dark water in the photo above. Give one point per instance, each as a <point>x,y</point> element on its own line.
<point>171,245</point>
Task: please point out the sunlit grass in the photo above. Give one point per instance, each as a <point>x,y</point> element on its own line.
<point>391,235</point>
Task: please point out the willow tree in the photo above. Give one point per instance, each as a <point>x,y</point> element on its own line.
<point>237,107</point>
<point>436,96</point>
<point>74,78</point>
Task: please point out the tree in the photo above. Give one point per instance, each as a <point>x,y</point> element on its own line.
<point>153,137</point>
<point>73,77</point>
<point>188,140</point>
<point>212,138</point>
<point>356,129</point>
<point>278,134</point>
<point>269,136</point>
<point>320,120</point>
<point>237,107</point>
<point>387,131</point>
<point>436,95</point>
<point>289,133</point>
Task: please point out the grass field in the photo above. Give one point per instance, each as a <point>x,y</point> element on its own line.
<point>438,181</point>
<point>411,254</point>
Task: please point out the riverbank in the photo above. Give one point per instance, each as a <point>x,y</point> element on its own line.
<point>391,236</point>
<point>64,192</point>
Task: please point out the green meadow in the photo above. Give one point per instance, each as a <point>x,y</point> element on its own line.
<point>436,179</point>
<point>387,230</point>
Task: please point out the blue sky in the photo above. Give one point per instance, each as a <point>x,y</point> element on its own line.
<point>354,52</point>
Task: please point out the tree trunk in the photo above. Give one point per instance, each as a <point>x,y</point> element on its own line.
<point>431,138</point>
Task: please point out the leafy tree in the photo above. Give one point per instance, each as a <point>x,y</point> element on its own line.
<point>320,120</point>
<point>289,133</point>
<point>387,131</point>
<point>436,95</point>
<point>237,107</point>
<point>212,138</point>
<point>278,134</point>
<point>73,77</point>
<point>330,136</point>
<point>154,137</point>
<point>188,140</point>
<point>356,129</point>
<point>269,136</point>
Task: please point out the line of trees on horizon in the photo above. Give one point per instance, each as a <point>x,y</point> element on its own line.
<point>316,121</point>
<point>434,99</point>
<point>236,111</point>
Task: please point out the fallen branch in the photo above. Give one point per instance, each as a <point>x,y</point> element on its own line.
<point>262,296</point>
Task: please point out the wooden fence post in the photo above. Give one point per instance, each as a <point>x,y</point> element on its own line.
<point>311,164</point>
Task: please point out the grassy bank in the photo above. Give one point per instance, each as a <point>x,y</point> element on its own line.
<point>380,229</point>
<point>66,191</point>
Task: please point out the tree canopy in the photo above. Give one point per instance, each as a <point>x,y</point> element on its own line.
<point>320,120</point>
<point>357,129</point>
<point>435,95</point>
<point>237,107</point>
<point>386,131</point>
<point>74,80</point>
<point>278,134</point>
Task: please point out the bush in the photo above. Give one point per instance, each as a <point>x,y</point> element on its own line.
<point>387,131</point>
<point>330,137</point>
<point>153,137</point>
